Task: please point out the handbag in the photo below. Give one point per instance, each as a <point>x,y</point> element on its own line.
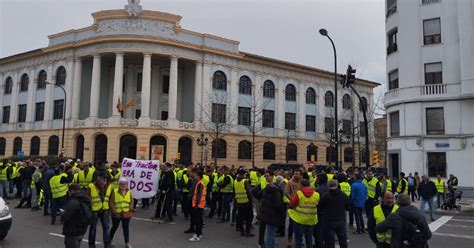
<point>127,215</point>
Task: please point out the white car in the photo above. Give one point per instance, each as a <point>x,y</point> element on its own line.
<point>5,219</point>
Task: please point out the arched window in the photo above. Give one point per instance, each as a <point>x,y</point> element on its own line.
<point>363,104</point>
<point>330,154</point>
<point>219,148</point>
<point>312,153</point>
<point>100,149</point>
<point>219,81</point>
<point>3,144</point>
<point>291,152</point>
<point>268,89</point>
<point>245,85</point>
<point>25,80</point>
<point>17,144</point>
<point>61,76</point>
<point>35,146</point>
<point>348,155</point>
<point>245,150</point>
<point>329,99</point>
<point>8,85</point>
<point>310,96</point>
<point>346,101</point>
<point>268,151</point>
<point>42,76</point>
<point>80,147</point>
<point>53,145</point>
<point>290,93</point>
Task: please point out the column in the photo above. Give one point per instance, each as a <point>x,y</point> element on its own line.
<point>14,101</point>
<point>259,103</point>
<point>95,88</point>
<point>173,91</point>
<point>30,107</point>
<point>301,127</point>
<point>146,89</point>
<point>48,99</point>
<point>234,96</point>
<point>206,99</point>
<point>198,93</point>
<point>69,86</point>
<point>281,107</point>
<point>118,85</point>
<point>76,92</point>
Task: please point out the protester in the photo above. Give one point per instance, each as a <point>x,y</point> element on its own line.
<point>121,206</point>
<point>381,211</point>
<point>198,204</point>
<point>427,191</point>
<point>243,199</point>
<point>99,191</point>
<point>77,216</point>
<point>358,200</point>
<point>290,191</point>
<point>332,206</point>
<point>59,184</point>
<point>440,190</point>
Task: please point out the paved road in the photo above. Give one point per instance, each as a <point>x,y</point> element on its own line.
<point>31,229</point>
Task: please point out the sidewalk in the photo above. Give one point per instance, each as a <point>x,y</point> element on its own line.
<point>467,207</point>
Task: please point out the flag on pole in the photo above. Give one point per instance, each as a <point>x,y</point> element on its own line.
<point>119,106</point>
<point>130,103</point>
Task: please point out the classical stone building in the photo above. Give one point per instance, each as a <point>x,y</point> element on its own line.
<point>140,85</point>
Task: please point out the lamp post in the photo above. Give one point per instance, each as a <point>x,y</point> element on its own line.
<point>202,142</point>
<point>324,32</point>
<point>64,116</point>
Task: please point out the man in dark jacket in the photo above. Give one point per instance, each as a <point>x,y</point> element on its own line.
<point>427,190</point>
<point>401,223</point>
<point>381,211</point>
<point>243,201</point>
<point>332,207</point>
<point>75,221</point>
<point>166,187</point>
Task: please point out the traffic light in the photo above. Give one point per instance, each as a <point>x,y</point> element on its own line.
<point>375,157</point>
<point>350,76</point>
<point>178,156</point>
<point>343,81</point>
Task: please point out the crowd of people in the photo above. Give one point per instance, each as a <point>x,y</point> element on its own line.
<point>307,205</point>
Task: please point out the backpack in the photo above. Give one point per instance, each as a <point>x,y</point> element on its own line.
<point>85,214</point>
<point>415,236</point>
<point>411,181</point>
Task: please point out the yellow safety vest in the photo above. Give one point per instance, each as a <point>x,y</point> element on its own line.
<point>389,185</point>
<point>84,180</point>
<point>346,188</point>
<point>454,183</point>
<point>399,187</point>
<point>16,172</point>
<point>3,173</point>
<point>330,176</point>
<point>263,182</point>
<point>240,191</point>
<point>114,179</point>
<point>122,203</point>
<point>33,184</point>
<point>97,203</point>
<point>185,180</point>
<point>229,187</point>
<point>215,187</point>
<point>371,186</point>
<point>439,186</point>
<point>253,178</point>
<point>379,217</point>
<point>306,213</point>
<point>58,189</point>
<point>205,180</point>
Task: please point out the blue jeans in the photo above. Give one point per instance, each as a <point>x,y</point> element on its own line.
<point>4,189</point>
<point>226,198</point>
<point>11,185</point>
<point>103,216</point>
<point>336,228</point>
<point>358,218</point>
<point>270,236</point>
<point>430,205</point>
<point>440,198</point>
<point>301,230</point>
<point>47,199</point>
<point>56,204</point>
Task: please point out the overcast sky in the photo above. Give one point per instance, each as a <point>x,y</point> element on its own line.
<point>282,29</point>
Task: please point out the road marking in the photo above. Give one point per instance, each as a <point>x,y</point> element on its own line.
<point>453,235</point>
<point>439,222</point>
<point>459,226</point>
<point>150,220</point>
<point>472,221</point>
<point>62,236</point>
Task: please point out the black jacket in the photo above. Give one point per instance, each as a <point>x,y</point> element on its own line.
<point>72,214</point>
<point>371,222</point>
<point>333,205</point>
<point>167,182</point>
<point>272,209</point>
<point>428,190</point>
<point>398,223</point>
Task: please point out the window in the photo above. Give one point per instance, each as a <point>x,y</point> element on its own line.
<point>392,45</point>
<point>434,73</point>
<point>61,76</point>
<point>139,82</point>
<point>312,153</point>
<point>25,80</point>
<point>391,7</point>
<point>348,154</point>
<point>330,154</point>
<point>393,80</point>
<point>346,101</point>
<point>329,125</point>
<point>39,111</point>
<point>268,151</point>
<point>17,145</point>
<point>219,148</point>
<point>363,156</point>
<point>435,121</point>
<point>22,113</point>
<point>58,109</point>
<point>6,114</point>
<point>268,117</point>
<point>164,115</point>
<point>245,85</point>
<point>436,164</point>
<point>100,148</point>
<point>291,152</point>
<point>3,144</point>
<point>290,121</point>
<point>363,104</point>
<point>329,99</point>
<point>432,31</point>
<point>218,112</point>
<point>8,85</point>
<point>310,96</point>
<point>166,84</point>
<point>35,146</point>
<point>361,129</point>
<point>219,81</point>
<point>346,127</point>
<point>244,116</point>
<point>311,123</point>
<point>53,145</point>
<point>138,113</point>
<point>245,150</point>
<point>42,77</point>
<point>268,89</point>
<point>290,93</point>
<point>395,124</point>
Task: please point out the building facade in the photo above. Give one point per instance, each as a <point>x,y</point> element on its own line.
<point>430,98</point>
<point>139,85</point>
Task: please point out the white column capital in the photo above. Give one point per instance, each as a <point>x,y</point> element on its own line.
<point>147,54</point>
<point>96,55</point>
<point>174,58</point>
<point>119,54</point>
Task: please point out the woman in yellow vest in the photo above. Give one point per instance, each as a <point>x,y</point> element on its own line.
<point>99,191</point>
<point>121,206</point>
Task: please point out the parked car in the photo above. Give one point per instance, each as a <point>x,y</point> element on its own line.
<point>285,167</point>
<point>5,219</point>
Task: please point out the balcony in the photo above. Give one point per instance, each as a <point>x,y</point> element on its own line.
<point>423,92</point>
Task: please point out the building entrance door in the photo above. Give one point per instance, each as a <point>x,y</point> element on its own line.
<point>394,161</point>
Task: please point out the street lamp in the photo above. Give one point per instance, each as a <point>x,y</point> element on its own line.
<point>202,142</point>
<point>324,32</point>
<point>64,116</point>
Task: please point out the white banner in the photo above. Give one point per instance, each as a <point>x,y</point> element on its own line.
<point>142,176</point>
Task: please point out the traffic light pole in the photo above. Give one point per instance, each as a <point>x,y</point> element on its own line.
<point>367,152</point>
